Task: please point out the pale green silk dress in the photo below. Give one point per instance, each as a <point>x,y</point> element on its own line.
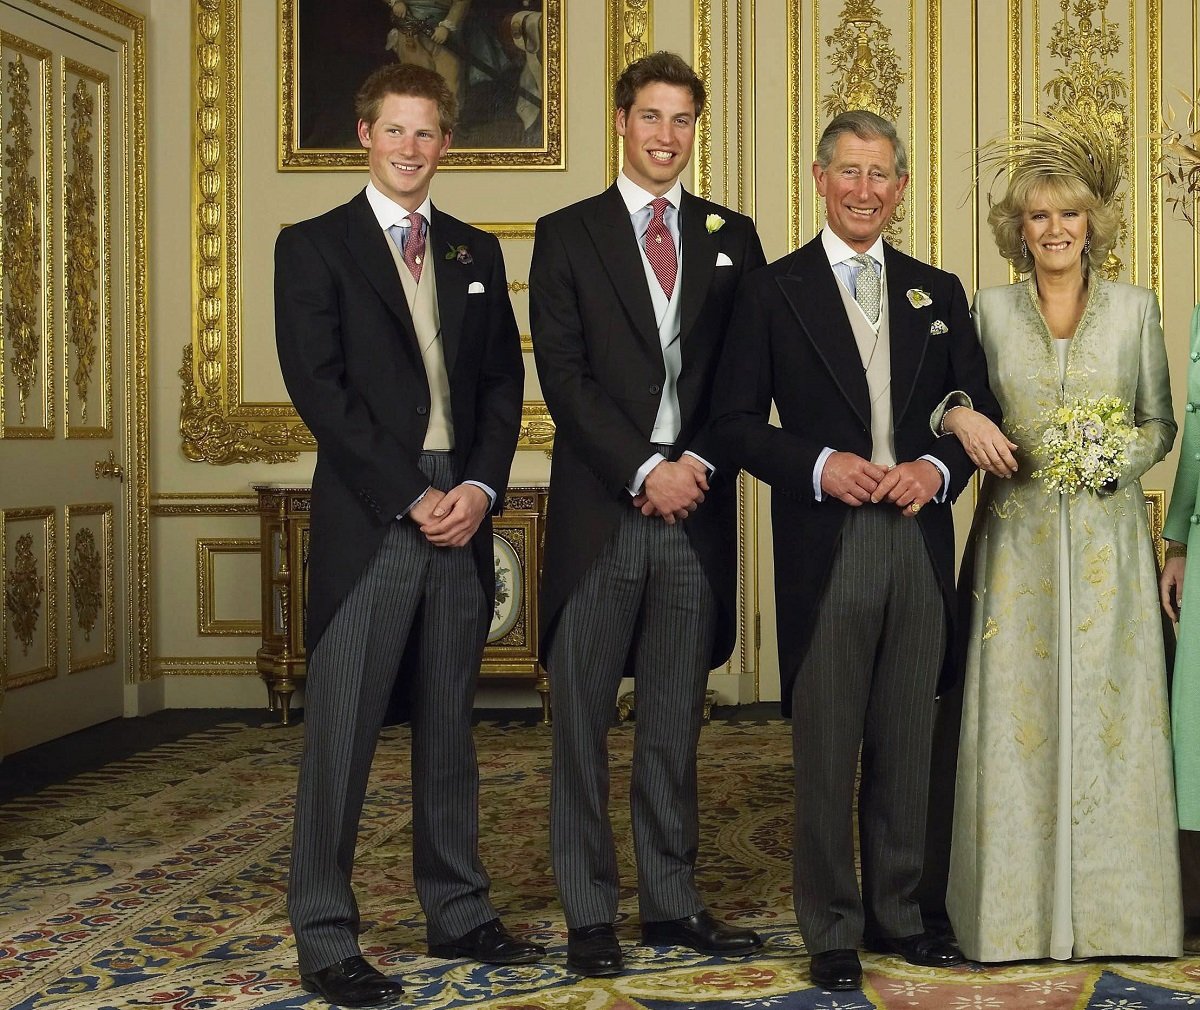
<point>1183,525</point>
<point>1065,841</point>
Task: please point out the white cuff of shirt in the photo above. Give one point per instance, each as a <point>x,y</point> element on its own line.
<point>707,465</point>
<point>818,469</point>
<point>413,504</point>
<point>634,487</point>
<point>941,495</point>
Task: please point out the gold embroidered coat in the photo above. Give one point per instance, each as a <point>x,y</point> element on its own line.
<point>1122,861</point>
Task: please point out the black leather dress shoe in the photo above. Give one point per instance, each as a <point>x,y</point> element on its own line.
<point>703,933</point>
<point>836,970</point>
<point>923,949</point>
<point>490,943</point>
<point>353,983</point>
<point>594,951</point>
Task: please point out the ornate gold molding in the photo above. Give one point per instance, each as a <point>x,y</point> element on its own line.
<point>81,236</point>
<point>629,30</point>
<point>208,422</point>
<point>207,549</point>
<point>204,666</point>
<point>91,578</point>
<point>23,592</point>
<point>703,59</point>
<point>537,428</point>
<point>25,260</point>
<point>31,591</point>
<point>85,581</point>
<point>22,259</point>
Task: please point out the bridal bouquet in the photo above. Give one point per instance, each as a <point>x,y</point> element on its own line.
<point>1086,444</point>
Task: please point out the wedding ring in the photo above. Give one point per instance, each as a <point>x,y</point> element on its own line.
<point>916,507</point>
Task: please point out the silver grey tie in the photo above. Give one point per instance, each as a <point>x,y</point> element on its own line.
<point>866,287</point>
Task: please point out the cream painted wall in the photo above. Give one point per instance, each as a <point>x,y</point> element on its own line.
<point>752,165</point>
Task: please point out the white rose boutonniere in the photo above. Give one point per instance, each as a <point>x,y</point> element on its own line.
<point>918,299</point>
<point>714,223</point>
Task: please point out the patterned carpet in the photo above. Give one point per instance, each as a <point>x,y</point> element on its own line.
<point>158,882</point>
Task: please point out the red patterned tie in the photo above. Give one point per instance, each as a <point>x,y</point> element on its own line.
<point>660,247</point>
<point>414,248</point>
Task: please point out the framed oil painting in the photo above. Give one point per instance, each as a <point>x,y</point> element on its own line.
<point>502,58</point>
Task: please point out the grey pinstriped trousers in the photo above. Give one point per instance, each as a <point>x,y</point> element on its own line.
<point>645,595</point>
<point>869,677</point>
<point>408,586</point>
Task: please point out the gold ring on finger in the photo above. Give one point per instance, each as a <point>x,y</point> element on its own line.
<point>916,507</point>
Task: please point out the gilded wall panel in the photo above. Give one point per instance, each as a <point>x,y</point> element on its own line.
<point>209,581</point>
<point>87,252</point>
<point>876,55</point>
<point>26,237</point>
<point>1100,60</point>
<point>91,585</point>
<point>30,596</point>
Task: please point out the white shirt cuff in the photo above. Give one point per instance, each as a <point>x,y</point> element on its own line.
<point>634,487</point>
<point>413,503</point>
<point>941,495</point>
<point>486,490</point>
<point>707,465</point>
<point>818,469</point>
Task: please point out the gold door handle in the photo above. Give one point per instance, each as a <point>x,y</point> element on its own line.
<point>109,468</point>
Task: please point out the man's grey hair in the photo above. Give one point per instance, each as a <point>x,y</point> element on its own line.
<point>866,126</point>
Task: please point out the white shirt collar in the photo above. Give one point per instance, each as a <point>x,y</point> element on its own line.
<point>636,198</point>
<point>388,212</point>
<point>839,252</point>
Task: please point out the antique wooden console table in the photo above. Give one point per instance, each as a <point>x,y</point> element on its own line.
<point>511,652</point>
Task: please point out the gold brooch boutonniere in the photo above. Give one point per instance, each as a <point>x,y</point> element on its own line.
<point>714,223</point>
<point>460,253</point>
<point>918,298</point>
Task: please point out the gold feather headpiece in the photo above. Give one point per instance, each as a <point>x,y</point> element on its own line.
<point>1181,158</point>
<point>1079,149</point>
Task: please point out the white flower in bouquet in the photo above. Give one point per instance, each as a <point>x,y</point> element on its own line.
<point>1086,444</point>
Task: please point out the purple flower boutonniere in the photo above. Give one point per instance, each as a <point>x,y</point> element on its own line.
<point>460,253</point>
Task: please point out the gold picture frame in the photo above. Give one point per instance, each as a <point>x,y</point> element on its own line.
<point>505,63</point>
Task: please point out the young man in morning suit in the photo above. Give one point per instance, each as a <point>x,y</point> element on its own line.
<point>405,363</point>
<point>630,294</point>
<point>861,348</point>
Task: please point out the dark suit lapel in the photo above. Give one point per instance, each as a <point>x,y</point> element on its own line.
<point>811,290</point>
<point>369,246</point>
<point>908,326</point>
<point>453,277</point>
<point>612,232</point>
<point>699,261</point>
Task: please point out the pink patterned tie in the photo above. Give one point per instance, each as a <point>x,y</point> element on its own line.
<point>660,247</point>
<point>414,248</point>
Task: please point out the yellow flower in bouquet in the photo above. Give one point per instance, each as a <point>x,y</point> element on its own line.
<point>1086,444</point>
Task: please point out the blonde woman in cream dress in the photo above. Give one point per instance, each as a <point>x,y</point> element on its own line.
<point>1065,841</point>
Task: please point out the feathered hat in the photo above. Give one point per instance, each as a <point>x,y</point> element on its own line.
<point>1082,148</point>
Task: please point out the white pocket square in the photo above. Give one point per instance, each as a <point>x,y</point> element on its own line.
<point>723,260</point>
<point>475,288</point>
<point>938,327</point>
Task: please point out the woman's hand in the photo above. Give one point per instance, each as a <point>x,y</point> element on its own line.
<point>1170,586</point>
<point>983,441</point>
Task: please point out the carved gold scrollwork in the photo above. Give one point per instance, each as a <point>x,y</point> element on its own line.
<point>866,73</point>
<point>1085,89</point>
<point>636,19</point>
<point>537,428</point>
<point>85,581</point>
<point>864,64</point>
<point>210,437</point>
<point>22,250</point>
<point>82,242</point>
<point>23,593</point>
